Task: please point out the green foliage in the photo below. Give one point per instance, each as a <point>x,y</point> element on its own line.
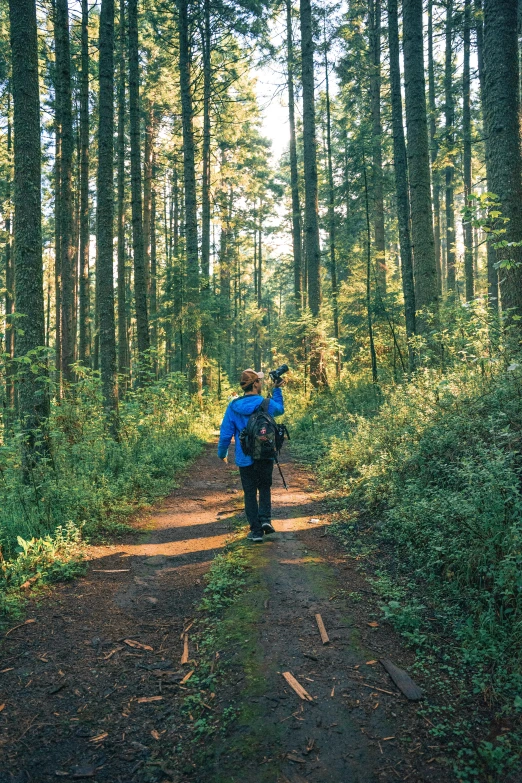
<point>428,472</point>
<point>88,482</point>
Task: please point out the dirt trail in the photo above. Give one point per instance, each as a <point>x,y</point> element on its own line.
<point>80,702</point>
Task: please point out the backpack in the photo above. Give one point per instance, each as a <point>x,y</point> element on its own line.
<point>262,438</point>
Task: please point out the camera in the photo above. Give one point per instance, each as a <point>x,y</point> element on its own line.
<point>275,375</point>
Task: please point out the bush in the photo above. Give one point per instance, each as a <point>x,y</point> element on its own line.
<point>438,464</point>
<point>87,481</point>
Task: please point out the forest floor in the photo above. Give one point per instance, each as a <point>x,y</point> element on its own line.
<point>90,683</point>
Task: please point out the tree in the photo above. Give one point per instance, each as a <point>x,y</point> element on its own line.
<point>401,177</point>
<point>123,347</point>
<point>65,215</point>
<point>84,348</point>
<point>312,245</point>
<point>294,171</point>
<point>466,137</point>
<point>189,177</point>
<point>426,288</point>
<point>33,400</point>
<point>501,90</point>
<point>105,210</point>
<point>140,278</point>
<point>374,20</point>
<point>449,117</point>
<point>493,289</point>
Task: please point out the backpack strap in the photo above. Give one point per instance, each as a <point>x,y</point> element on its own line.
<point>264,405</point>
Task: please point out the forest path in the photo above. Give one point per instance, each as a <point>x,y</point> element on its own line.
<point>81,702</point>
<point>359,728</point>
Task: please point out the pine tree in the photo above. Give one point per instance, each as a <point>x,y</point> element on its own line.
<point>84,348</point>
<point>140,274</point>
<point>401,177</point>
<point>33,400</point>
<point>312,245</point>
<point>502,105</point>
<point>426,288</point>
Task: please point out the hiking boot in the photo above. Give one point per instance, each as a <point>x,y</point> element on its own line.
<point>256,538</point>
<point>267,528</point>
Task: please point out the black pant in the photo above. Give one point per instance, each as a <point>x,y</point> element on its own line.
<point>253,478</point>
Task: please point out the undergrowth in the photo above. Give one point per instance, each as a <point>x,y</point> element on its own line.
<point>87,484</point>
<point>428,472</point>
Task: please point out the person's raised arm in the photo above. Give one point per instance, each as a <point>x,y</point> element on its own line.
<point>276,407</point>
<point>225,434</point>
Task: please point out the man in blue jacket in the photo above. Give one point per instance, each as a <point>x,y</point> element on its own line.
<point>256,475</point>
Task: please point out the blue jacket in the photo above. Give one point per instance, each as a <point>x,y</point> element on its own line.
<point>235,419</point>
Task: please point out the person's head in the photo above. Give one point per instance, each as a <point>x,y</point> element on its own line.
<point>251,381</point>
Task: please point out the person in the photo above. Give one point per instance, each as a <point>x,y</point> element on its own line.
<point>256,475</point>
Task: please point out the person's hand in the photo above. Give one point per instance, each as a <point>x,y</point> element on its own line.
<point>280,382</point>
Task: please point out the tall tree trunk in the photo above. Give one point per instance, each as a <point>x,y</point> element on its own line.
<point>33,401</point>
<point>492,271</point>
<point>205,184</point>
<point>425,269</point>
<point>191,225</point>
<point>449,118</point>
<point>67,248</point>
<point>147,186</point>
<point>374,14</point>
<point>401,179</point>
<point>153,265</point>
<point>9,271</point>
<point>105,212</point>
<point>123,344</point>
<point>84,315</point>
<point>294,171</point>
<point>57,214</point>
<point>373,355</point>
<point>331,212</point>
<point>434,147</point>
<point>503,141</point>
<point>140,278</point>
<point>466,134</point>
<point>313,248</point>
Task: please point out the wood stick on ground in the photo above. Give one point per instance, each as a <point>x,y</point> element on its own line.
<point>297,687</point>
<point>110,570</point>
<point>185,656</point>
<point>322,630</point>
<point>402,680</point>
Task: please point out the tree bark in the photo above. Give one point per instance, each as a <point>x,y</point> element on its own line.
<point>449,118</point>
<point>140,279</point>
<point>313,248</point>
<point>105,212</point>
<point>401,179</point>
<point>425,269</point>
<point>294,171</point>
<point>67,248</point>
<point>9,272</point>
<point>205,184</point>
<point>374,18</point>
<point>466,137</point>
<point>331,214</point>
<point>147,186</point>
<point>503,141</point>
<point>84,305</point>
<point>492,271</point>
<point>191,225</point>
<point>434,148</point>
<point>123,344</point>
<point>33,401</point>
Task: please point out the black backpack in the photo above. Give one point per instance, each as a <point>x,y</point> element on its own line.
<point>263,437</point>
